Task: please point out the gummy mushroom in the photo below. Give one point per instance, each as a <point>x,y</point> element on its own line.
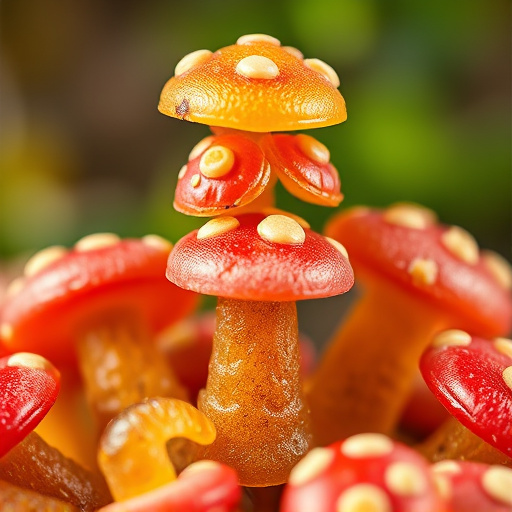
<point>258,266</point>
<point>29,385</point>
<point>366,472</point>
<point>104,299</point>
<point>470,486</point>
<point>419,277</point>
<point>472,378</point>
<point>255,85</point>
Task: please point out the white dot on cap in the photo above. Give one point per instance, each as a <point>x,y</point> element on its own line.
<point>216,162</point>
<point>324,69</point>
<point>43,259</point>
<point>200,147</point>
<point>363,498</point>
<point>313,148</point>
<point>96,241</point>
<point>461,244</point>
<point>451,338</point>
<point>281,229</point>
<point>271,210</point>
<point>367,445</point>
<point>503,345</point>
<point>182,172</point>
<point>405,479</point>
<point>507,376</point>
<point>258,38</point>
<point>191,61</point>
<point>202,465</point>
<point>423,271</point>
<point>446,466</point>
<point>311,466</point>
<point>497,482</point>
<point>409,216</point>
<point>195,180</point>
<point>257,66</point>
<point>340,247</point>
<point>157,242</point>
<point>217,226</point>
<point>499,267</point>
<point>293,51</point>
<point>29,360</point>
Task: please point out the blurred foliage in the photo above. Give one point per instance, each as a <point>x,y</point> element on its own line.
<point>84,149</point>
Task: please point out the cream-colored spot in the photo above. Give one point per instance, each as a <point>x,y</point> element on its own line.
<point>258,38</point>
<point>15,287</point>
<point>338,246</point>
<point>293,51</point>
<point>195,180</point>
<point>461,244</point>
<point>405,479</point>
<point>43,259</point>
<point>216,162</point>
<point>201,147</point>
<point>499,267</point>
<point>29,360</point>
<point>257,66</point>
<point>191,61</point>
<point>202,465</point>
<point>451,338</point>
<point>497,482</point>
<point>6,331</point>
<point>281,229</point>
<point>443,485</point>
<point>182,172</point>
<point>410,215</point>
<point>217,226</point>
<point>503,345</point>
<point>313,149</point>
<point>363,498</point>
<point>270,210</point>
<point>157,242</point>
<point>96,241</point>
<point>446,466</point>
<point>367,445</point>
<point>324,69</point>
<point>423,271</point>
<point>311,466</point>
<point>358,211</point>
<point>178,336</point>
<point>507,377</point>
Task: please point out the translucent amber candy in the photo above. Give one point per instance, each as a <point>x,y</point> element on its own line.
<point>254,392</point>
<point>133,454</point>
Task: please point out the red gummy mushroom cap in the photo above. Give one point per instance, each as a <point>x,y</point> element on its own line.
<point>63,289</point>
<point>443,265</point>
<point>472,378</point>
<point>255,85</point>
<point>259,257</point>
<point>472,486</point>
<point>29,385</point>
<point>364,472</point>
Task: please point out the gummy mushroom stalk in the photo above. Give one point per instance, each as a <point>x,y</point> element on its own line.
<point>258,266</point>
<point>472,378</point>
<point>100,303</point>
<point>419,278</point>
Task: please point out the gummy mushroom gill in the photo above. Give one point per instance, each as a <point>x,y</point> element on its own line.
<point>258,266</point>
<point>419,277</point>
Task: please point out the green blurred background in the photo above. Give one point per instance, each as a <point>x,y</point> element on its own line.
<point>83,148</point>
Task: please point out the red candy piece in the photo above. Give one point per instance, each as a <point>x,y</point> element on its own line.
<point>29,385</point>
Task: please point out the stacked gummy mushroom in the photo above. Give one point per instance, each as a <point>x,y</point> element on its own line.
<point>258,260</point>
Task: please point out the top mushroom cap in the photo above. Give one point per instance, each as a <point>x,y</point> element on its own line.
<point>255,85</point>
<point>442,265</point>
<point>259,257</point>
<point>63,289</point>
<point>472,378</point>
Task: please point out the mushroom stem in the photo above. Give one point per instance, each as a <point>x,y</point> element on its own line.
<point>365,376</point>
<point>454,441</point>
<point>121,366</point>
<point>254,391</point>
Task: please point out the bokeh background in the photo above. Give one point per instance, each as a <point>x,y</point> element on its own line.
<point>84,149</point>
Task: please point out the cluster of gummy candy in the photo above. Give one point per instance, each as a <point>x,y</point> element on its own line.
<point>183,411</point>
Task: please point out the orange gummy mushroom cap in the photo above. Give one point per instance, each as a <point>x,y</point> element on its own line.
<point>443,265</point>
<point>255,85</point>
<point>64,289</point>
<point>260,258</point>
